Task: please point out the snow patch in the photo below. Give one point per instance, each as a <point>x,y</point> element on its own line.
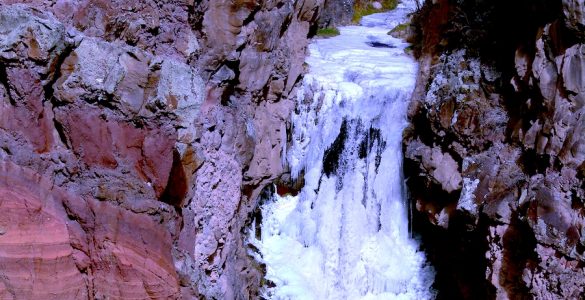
<point>467,199</point>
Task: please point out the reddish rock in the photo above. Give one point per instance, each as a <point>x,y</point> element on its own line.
<point>31,44</point>
<point>100,141</point>
<point>128,255</point>
<point>90,141</point>
<point>59,246</point>
<point>36,257</point>
<point>109,107</point>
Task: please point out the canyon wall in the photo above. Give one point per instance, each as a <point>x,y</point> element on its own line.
<point>135,138</point>
<point>336,13</point>
<point>494,155</point>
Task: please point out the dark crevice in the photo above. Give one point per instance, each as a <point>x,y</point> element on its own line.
<point>332,155</point>
<point>176,189</point>
<point>313,30</point>
<point>61,132</point>
<point>518,244</point>
<point>456,248</point>
<point>266,195</point>
<point>252,15</point>
<point>226,95</point>
<point>48,88</point>
<point>5,84</point>
<point>241,47</point>
<point>49,92</point>
<point>533,163</point>
<point>422,127</point>
<point>196,13</point>
<point>6,150</point>
<point>264,93</point>
<point>285,25</point>
<point>430,196</point>
<point>458,256</point>
<point>578,203</point>
<point>377,44</point>
<point>132,55</point>
<point>562,38</point>
<point>286,185</point>
<point>297,81</point>
<point>154,31</point>
<point>230,87</point>
<point>446,142</point>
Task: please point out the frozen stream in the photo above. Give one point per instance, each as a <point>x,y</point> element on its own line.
<point>345,235</point>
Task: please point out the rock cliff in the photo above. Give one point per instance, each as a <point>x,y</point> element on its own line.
<point>135,138</point>
<point>495,153</point>
<point>336,13</point>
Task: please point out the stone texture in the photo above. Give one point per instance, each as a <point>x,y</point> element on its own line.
<point>574,18</point>
<point>36,257</point>
<point>249,65</point>
<point>337,13</point>
<point>440,166</point>
<point>154,126</point>
<point>56,245</point>
<point>160,27</point>
<point>512,123</point>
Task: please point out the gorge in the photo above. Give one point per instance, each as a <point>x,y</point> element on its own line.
<point>345,235</point>
<point>226,149</point>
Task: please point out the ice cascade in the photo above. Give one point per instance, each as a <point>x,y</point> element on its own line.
<point>345,235</point>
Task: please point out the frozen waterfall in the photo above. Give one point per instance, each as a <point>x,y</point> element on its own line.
<point>345,235</point>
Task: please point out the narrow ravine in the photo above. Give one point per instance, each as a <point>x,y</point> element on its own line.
<point>345,235</point>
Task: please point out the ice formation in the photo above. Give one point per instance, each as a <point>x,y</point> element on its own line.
<point>345,235</point>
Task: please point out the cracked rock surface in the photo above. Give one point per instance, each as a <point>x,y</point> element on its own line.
<point>499,110</point>
<point>135,138</point>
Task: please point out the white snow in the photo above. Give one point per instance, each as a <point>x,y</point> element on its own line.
<point>345,236</point>
<point>467,199</point>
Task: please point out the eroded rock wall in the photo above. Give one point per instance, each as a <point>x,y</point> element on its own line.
<point>135,138</point>
<point>336,13</point>
<point>496,148</point>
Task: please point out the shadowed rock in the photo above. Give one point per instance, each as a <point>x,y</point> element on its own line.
<point>501,96</point>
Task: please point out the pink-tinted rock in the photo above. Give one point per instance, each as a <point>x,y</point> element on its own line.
<point>100,141</point>
<point>90,141</point>
<point>128,254</point>
<point>58,246</point>
<point>159,26</point>
<point>31,43</point>
<point>36,258</point>
<point>109,103</point>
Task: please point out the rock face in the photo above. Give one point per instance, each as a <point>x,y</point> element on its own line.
<point>495,153</point>
<point>135,138</point>
<point>336,13</point>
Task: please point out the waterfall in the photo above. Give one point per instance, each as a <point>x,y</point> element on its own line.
<point>346,234</point>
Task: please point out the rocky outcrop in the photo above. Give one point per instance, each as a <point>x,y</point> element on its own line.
<point>135,139</point>
<point>495,153</point>
<point>336,13</point>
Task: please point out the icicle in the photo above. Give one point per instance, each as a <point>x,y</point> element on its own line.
<point>346,235</point>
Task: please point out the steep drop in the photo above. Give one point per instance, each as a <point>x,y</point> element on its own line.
<point>345,236</point>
